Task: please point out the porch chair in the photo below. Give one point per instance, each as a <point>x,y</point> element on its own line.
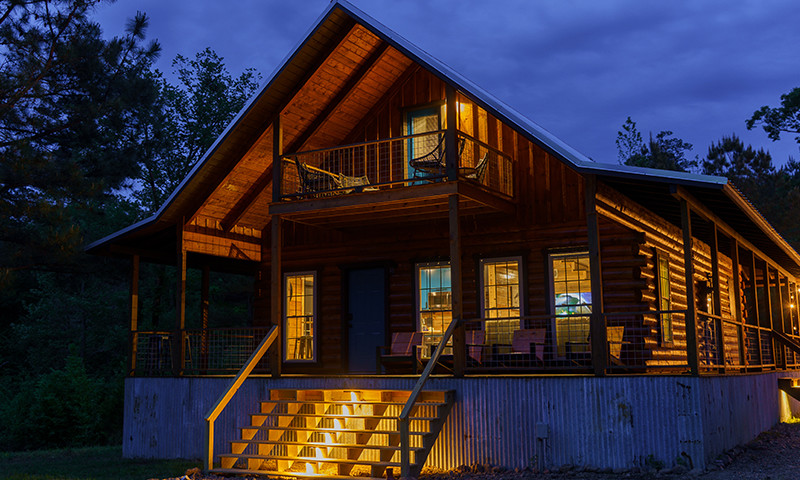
<point>433,162</point>
<point>614,336</point>
<point>529,341</point>
<point>479,171</point>
<point>403,356</point>
<point>313,179</point>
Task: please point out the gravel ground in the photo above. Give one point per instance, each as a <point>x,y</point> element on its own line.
<point>773,455</point>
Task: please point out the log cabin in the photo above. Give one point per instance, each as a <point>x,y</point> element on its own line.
<point>438,281</point>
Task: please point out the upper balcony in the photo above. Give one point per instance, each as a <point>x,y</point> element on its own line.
<point>405,175</point>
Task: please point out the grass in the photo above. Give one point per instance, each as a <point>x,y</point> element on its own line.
<point>89,463</point>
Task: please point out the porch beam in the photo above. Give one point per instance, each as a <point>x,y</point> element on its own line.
<point>597,327</point>
<point>737,303</point>
<point>204,295</point>
<point>244,203</point>
<point>245,146</point>
<point>276,301</point>
<point>355,78</point>
<point>450,141</point>
<point>459,334</point>
<point>681,193</point>
<point>134,311</point>
<point>720,329</point>
<point>691,309</point>
<point>178,345</point>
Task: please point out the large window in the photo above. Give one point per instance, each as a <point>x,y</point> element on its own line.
<point>571,301</point>
<point>434,297</point>
<point>300,316</point>
<point>664,298</point>
<point>500,282</point>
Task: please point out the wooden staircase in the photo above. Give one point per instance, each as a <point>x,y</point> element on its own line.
<point>335,433</point>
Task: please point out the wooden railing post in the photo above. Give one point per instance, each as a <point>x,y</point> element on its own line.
<point>276,300</point>
<point>178,343</point>
<point>691,308</point>
<point>459,336</point>
<point>134,337</point>
<point>597,322</point>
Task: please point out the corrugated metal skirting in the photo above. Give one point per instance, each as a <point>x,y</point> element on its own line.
<point>616,422</point>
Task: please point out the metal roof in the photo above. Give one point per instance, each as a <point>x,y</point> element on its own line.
<point>262,107</point>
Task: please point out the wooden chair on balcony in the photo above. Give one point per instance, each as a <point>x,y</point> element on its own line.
<point>433,163</point>
<point>529,341</point>
<point>478,172</point>
<point>315,180</point>
<point>403,353</point>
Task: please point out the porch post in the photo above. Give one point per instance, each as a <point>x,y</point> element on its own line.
<point>691,309</point>
<point>178,345</point>
<point>205,283</point>
<point>459,334</point>
<point>134,311</point>
<point>450,140</point>
<point>737,303</point>
<point>277,153</point>
<point>597,326</point>
<point>276,301</point>
<point>720,328</point>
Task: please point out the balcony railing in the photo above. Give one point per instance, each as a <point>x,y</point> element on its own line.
<point>391,163</point>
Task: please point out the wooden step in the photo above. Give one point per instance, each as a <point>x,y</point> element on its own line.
<point>271,473</point>
<point>336,416</point>
<point>329,460</point>
<point>329,430</point>
<point>320,444</point>
<point>348,403</point>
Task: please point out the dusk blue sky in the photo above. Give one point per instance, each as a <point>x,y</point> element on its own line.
<point>577,68</point>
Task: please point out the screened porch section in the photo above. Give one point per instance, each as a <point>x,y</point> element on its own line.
<point>408,160</point>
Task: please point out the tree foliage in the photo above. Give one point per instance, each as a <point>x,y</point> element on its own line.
<point>194,112</point>
<point>69,101</point>
<point>777,120</point>
<point>662,151</point>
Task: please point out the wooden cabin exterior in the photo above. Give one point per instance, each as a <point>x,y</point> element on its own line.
<point>375,197</point>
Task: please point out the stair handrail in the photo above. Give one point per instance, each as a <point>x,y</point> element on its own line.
<point>402,420</point>
<point>228,394</point>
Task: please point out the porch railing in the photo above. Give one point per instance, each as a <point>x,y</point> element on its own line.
<point>384,164</point>
<point>214,351</point>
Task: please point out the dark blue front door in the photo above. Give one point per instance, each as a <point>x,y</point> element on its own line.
<point>366,305</point>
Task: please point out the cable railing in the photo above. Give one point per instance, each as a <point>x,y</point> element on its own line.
<point>391,163</point>
<point>212,351</point>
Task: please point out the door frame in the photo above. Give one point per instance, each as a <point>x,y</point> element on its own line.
<point>388,269</point>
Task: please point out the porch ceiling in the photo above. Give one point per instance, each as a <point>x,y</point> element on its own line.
<point>357,72</point>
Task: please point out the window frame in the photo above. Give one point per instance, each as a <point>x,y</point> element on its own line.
<point>551,255</point>
<point>662,337</point>
<point>314,317</point>
<point>520,289</point>
<point>418,266</point>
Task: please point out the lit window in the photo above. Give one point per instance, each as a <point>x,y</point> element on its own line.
<point>664,298</point>
<point>572,301</point>
<point>500,280</point>
<point>299,316</point>
<point>435,303</point>
<point>418,122</point>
